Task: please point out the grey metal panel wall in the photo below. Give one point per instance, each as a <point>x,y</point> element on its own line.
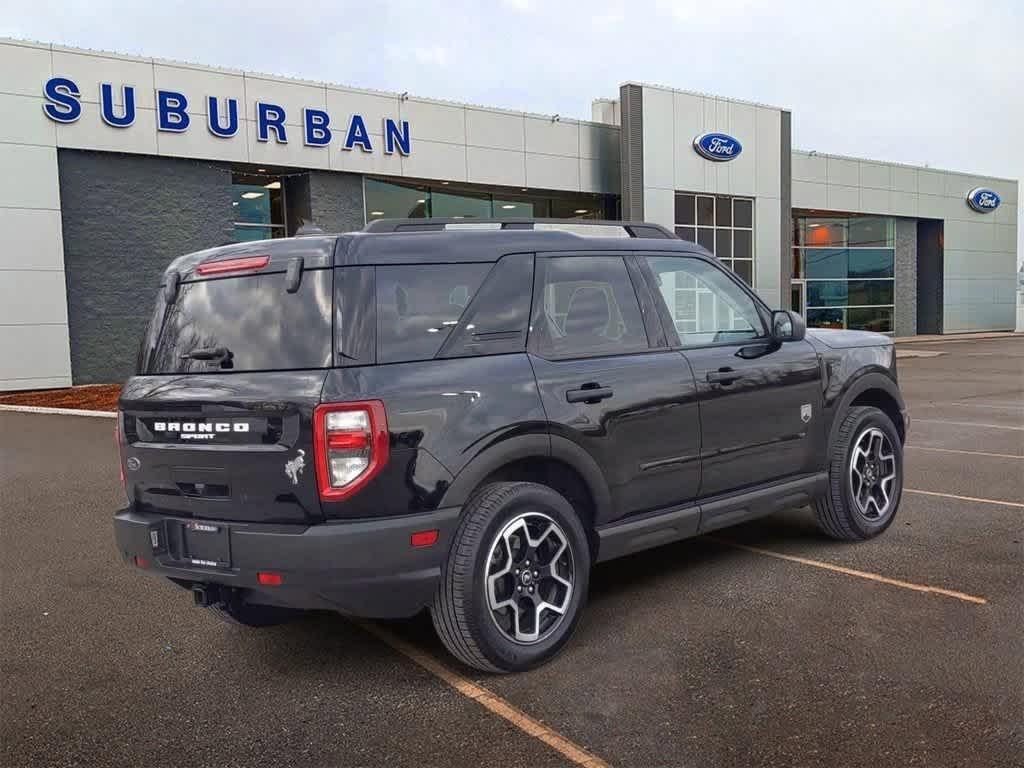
<point>124,218</point>
<point>786,209</point>
<point>905,269</point>
<point>930,276</point>
<point>632,151</point>
<point>336,200</point>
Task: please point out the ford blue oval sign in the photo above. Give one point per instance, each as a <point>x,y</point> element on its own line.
<point>983,200</point>
<point>717,146</point>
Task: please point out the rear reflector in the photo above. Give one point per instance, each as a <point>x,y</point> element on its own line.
<point>424,538</point>
<point>225,266</point>
<point>350,445</point>
<point>119,441</point>
<point>140,562</point>
<point>269,579</point>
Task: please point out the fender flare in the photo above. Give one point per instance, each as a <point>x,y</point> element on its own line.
<point>868,381</point>
<point>540,446</point>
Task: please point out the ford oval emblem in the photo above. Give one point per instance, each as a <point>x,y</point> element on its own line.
<point>717,146</point>
<point>983,200</point>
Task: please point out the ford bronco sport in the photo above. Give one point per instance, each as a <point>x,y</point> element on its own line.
<point>466,417</point>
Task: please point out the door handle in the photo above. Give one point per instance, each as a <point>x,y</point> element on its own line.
<point>724,376</point>
<point>589,393</point>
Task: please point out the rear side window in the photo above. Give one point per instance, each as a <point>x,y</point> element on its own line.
<point>418,306</point>
<point>586,306</point>
<point>247,323</point>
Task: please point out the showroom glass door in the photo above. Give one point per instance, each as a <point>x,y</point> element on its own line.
<point>798,297</point>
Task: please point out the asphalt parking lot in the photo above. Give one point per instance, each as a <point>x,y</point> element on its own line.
<point>765,645</point>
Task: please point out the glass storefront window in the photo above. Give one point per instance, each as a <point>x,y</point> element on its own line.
<point>723,225</point>
<point>847,266</point>
<point>257,203</point>
<point>392,199</point>
<point>460,205</point>
<point>511,207</point>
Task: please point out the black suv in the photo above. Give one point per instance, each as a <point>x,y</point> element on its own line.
<point>467,416</point>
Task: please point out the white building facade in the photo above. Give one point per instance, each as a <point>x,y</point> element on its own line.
<point>116,164</point>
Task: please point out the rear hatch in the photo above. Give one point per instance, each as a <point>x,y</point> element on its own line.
<point>218,423</point>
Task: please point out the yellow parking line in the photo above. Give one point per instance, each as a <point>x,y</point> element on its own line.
<point>853,572</point>
<point>971,453</point>
<point>490,701</point>
<point>968,424</point>
<point>997,502</point>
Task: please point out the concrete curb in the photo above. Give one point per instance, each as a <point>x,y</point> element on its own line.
<point>57,411</point>
<point>980,336</point>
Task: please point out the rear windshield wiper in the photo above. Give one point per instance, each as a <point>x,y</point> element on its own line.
<point>208,353</point>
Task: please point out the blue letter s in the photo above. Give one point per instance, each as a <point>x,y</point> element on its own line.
<point>62,100</point>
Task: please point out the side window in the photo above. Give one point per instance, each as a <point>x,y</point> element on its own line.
<point>586,306</point>
<point>706,306</point>
<point>418,306</point>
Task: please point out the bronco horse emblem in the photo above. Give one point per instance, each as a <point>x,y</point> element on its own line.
<point>294,467</point>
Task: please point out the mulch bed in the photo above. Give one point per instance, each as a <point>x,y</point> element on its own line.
<point>94,397</point>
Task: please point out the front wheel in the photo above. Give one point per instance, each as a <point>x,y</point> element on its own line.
<point>516,579</point>
<point>865,477</point>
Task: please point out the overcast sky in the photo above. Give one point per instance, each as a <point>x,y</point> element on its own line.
<point>939,82</point>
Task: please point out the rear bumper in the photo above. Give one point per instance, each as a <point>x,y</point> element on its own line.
<point>363,568</point>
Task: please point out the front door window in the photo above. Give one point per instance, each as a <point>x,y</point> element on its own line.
<point>706,305</point>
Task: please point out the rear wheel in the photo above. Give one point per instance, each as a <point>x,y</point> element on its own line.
<point>865,477</point>
<point>515,583</point>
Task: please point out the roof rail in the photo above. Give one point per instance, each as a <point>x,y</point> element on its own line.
<point>584,227</point>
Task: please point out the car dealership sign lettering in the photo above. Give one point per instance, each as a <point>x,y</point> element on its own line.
<point>717,146</point>
<point>983,200</point>
<point>63,105</point>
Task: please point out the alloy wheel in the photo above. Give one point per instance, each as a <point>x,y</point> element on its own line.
<point>873,474</point>
<point>530,578</point>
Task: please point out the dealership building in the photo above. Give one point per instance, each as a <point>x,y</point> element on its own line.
<point>117,164</point>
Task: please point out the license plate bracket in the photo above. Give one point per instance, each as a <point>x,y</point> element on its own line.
<point>206,545</point>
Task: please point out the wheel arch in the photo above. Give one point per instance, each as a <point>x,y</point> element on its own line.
<point>554,461</point>
<point>876,390</point>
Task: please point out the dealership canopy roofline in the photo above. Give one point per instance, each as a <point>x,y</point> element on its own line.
<point>181,64</point>
<point>897,163</point>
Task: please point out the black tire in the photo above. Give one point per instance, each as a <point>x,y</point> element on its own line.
<point>461,613</point>
<point>838,514</point>
<point>250,615</point>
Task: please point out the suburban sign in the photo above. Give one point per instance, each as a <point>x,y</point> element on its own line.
<point>717,146</point>
<point>983,200</point>
<point>117,109</point>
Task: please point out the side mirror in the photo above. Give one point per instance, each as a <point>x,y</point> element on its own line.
<point>787,326</point>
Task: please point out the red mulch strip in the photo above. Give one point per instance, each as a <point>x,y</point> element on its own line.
<point>95,397</point>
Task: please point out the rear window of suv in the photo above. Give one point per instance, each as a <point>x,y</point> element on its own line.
<point>246,323</point>
<point>419,306</point>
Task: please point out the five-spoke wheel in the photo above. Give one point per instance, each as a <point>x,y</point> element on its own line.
<point>514,585</point>
<point>865,476</point>
<point>529,577</point>
<point>872,473</point>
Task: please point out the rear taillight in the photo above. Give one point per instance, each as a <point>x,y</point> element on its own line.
<point>351,446</point>
<point>228,266</point>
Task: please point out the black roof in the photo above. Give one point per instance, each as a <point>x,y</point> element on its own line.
<point>413,247</point>
<point>410,241</point>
